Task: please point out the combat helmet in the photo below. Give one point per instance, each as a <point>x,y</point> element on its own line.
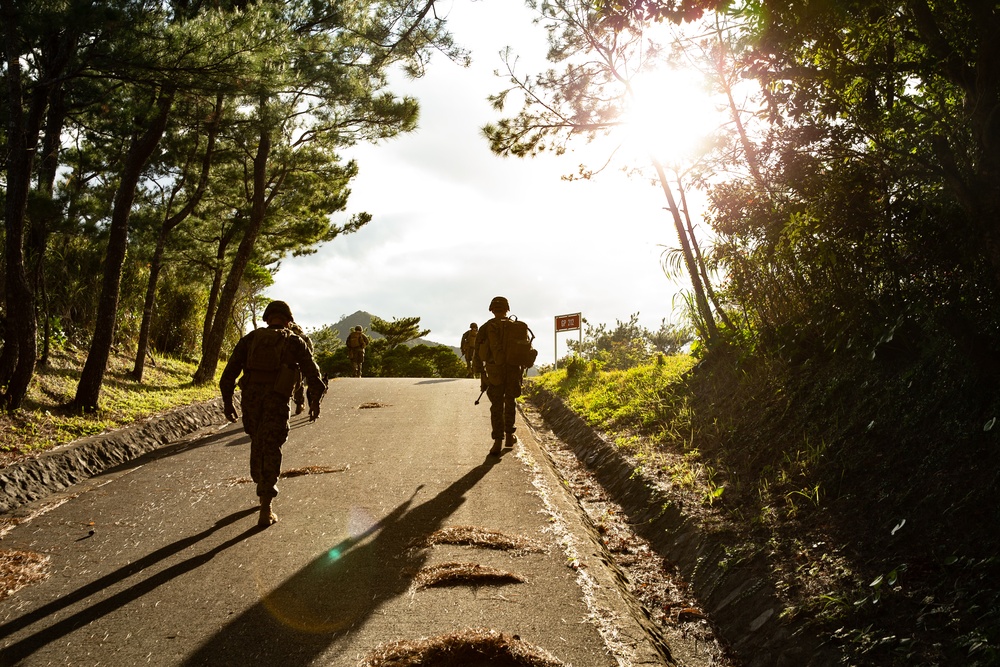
<point>277,308</point>
<point>473,326</point>
<point>499,303</point>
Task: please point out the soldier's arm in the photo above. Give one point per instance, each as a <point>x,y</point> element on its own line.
<point>227,382</point>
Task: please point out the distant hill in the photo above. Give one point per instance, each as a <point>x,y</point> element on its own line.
<point>364,320</point>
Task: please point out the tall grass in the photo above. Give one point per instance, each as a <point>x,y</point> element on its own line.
<point>644,399</point>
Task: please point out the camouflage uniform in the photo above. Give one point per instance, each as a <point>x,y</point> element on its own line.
<point>299,393</point>
<point>357,353</point>
<point>468,347</point>
<point>265,410</point>
<point>502,382</point>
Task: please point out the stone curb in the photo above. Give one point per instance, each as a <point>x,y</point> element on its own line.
<point>738,596</point>
<point>68,464</point>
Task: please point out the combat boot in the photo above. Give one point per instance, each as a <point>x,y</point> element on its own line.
<point>267,517</point>
<point>511,440</point>
<point>497,445</point>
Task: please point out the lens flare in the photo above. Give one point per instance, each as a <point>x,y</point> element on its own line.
<point>333,591</point>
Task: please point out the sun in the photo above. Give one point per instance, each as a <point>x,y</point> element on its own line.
<point>670,115</point>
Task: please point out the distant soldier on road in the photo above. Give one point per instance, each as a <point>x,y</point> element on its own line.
<point>499,365</point>
<point>468,347</point>
<point>357,341</point>
<point>271,361</point>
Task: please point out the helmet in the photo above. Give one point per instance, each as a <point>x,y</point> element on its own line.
<point>357,328</point>
<point>473,326</point>
<point>277,308</point>
<point>499,303</point>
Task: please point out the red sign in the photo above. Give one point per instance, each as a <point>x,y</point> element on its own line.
<point>567,322</point>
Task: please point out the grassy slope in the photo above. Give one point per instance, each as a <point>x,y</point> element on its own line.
<point>872,485</point>
<point>43,422</point>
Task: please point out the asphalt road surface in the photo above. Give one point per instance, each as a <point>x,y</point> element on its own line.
<point>160,561</point>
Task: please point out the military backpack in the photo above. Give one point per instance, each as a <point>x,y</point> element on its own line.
<point>510,343</point>
<point>266,347</point>
<point>264,360</point>
<point>355,339</point>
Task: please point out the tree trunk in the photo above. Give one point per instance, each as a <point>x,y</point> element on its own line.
<point>168,225</point>
<point>700,259</point>
<point>89,389</point>
<point>41,225</point>
<point>17,362</point>
<point>218,272</point>
<point>711,333</point>
<point>212,344</point>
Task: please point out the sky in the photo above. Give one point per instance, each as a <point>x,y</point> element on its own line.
<point>454,225</point>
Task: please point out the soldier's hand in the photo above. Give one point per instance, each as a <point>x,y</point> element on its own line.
<point>230,412</point>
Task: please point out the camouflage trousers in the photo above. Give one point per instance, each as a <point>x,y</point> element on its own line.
<point>265,420</point>
<point>503,408</point>
<point>357,357</point>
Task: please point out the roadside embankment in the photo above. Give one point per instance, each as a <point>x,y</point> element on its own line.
<point>728,575</point>
<point>58,468</point>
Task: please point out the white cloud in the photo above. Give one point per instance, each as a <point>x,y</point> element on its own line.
<point>453,225</point>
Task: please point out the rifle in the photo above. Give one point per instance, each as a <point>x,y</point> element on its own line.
<point>480,396</point>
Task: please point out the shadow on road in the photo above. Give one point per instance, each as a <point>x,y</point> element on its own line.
<point>23,648</point>
<point>175,449</point>
<point>339,590</point>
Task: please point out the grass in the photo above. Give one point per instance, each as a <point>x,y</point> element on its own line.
<point>873,486</point>
<point>44,422</point>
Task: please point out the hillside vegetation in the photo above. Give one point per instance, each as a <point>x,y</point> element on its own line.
<point>871,483</point>
<point>45,421</point>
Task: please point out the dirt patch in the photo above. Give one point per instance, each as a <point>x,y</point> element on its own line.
<point>469,648</point>
<point>478,537</point>
<point>311,470</point>
<point>293,472</point>
<point>19,569</point>
<point>464,574</point>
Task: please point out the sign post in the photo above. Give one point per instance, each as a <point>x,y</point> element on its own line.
<point>567,323</point>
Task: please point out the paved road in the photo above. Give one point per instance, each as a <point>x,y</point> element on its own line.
<point>176,572</point>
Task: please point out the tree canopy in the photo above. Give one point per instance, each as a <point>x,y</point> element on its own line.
<point>856,193</point>
<point>182,144</point>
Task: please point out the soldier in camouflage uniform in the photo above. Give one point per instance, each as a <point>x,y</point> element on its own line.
<point>468,347</point>
<point>501,382</point>
<point>357,341</point>
<point>270,360</point>
<point>299,394</point>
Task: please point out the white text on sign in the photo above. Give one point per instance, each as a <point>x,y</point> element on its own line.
<point>567,322</point>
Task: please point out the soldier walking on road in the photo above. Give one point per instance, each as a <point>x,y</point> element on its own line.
<point>270,360</point>
<point>357,341</point>
<point>298,395</point>
<point>468,347</point>
<point>500,379</point>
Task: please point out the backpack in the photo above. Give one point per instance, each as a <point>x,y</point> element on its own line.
<point>468,341</point>
<point>510,343</point>
<point>354,339</point>
<point>265,350</point>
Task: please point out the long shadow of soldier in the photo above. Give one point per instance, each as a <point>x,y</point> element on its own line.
<point>339,590</point>
<point>46,635</point>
